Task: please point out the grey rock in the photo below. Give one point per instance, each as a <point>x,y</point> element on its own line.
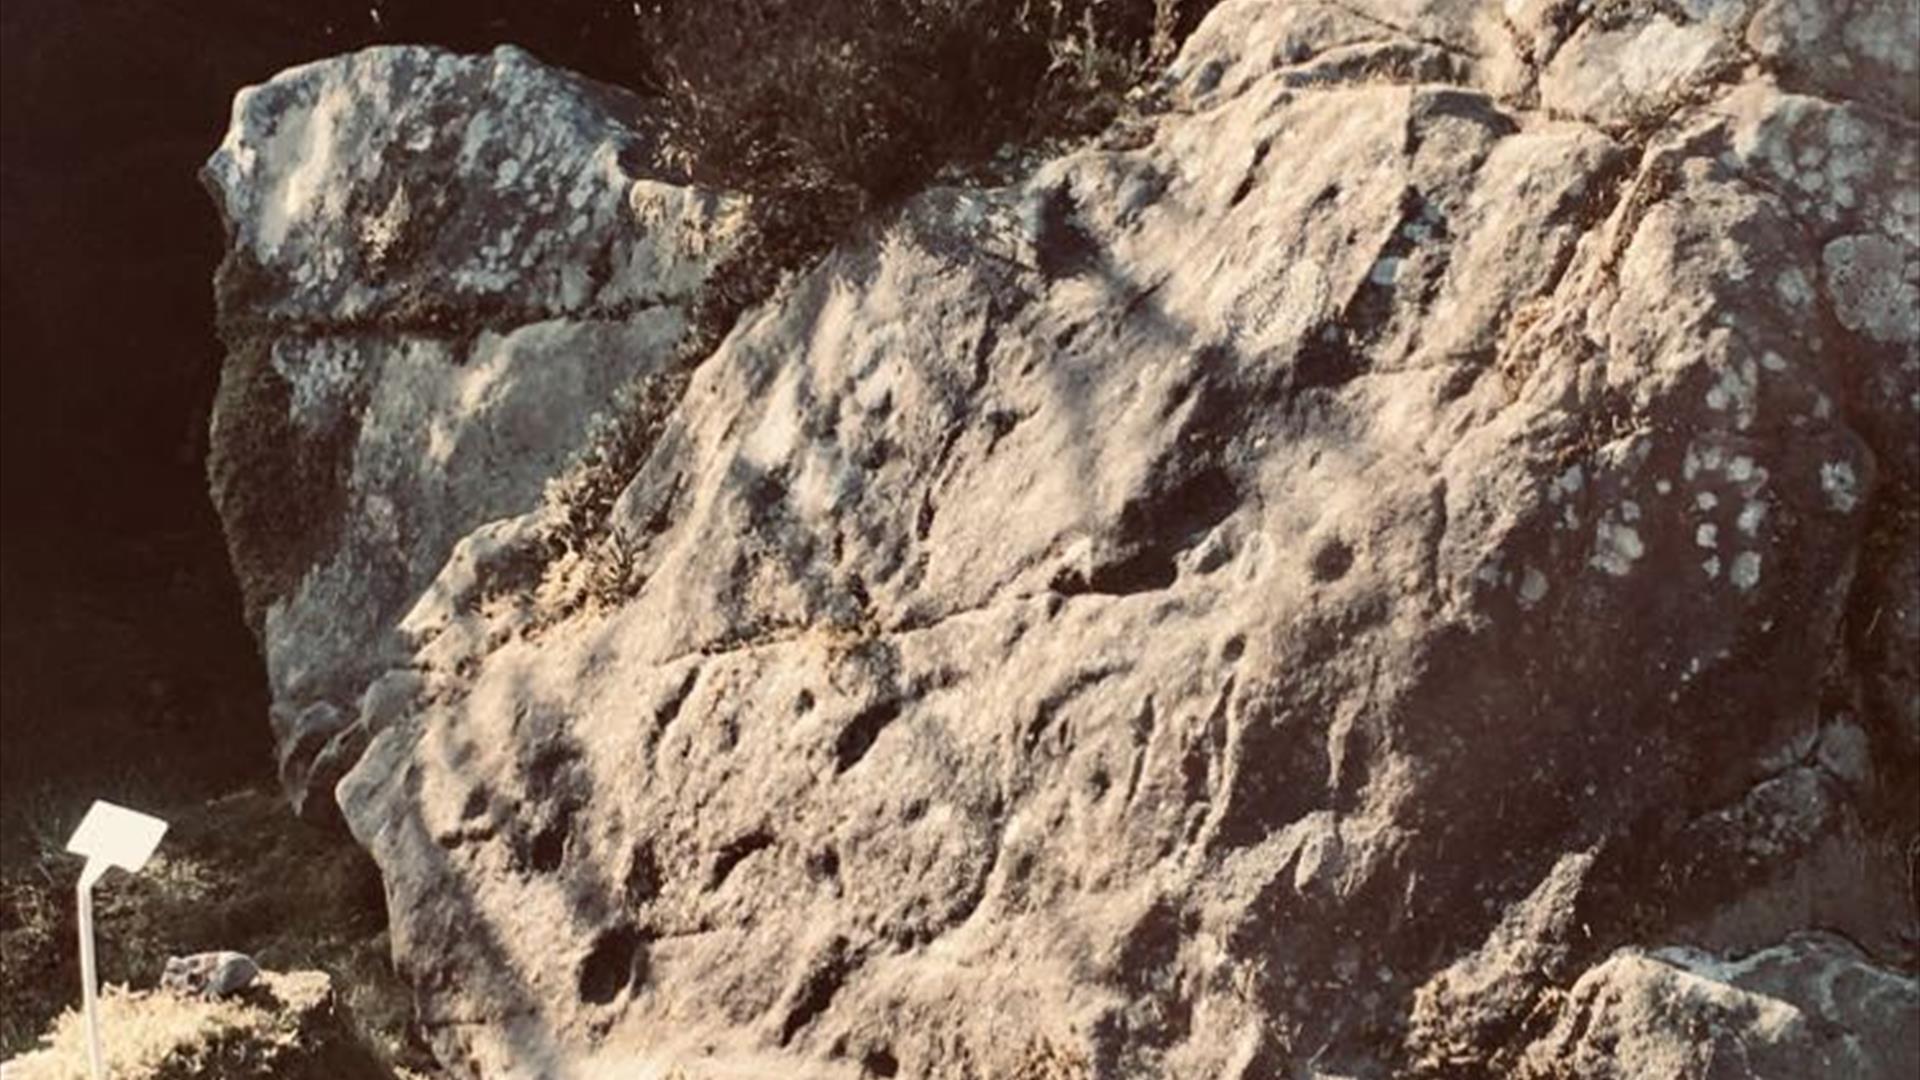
<point>499,556</point>
<point>1875,287</point>
<point>209,974</point>
<point>1846,751</point>
<point>391,697</point>
<point>406,186</point>
<point>1620,74</point>
<point>1810,1006</point>
<point>439,268</point>
<point>1843,48</point>
<point>301,740</point>
<point>1376,575</point>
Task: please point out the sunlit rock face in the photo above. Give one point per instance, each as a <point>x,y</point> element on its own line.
<point>439,269</point>
<point>1398,561</point>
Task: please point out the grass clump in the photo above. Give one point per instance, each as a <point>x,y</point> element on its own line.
<point>826,109</point>
<point>285,1028</point>
<point>235,873</point>
<point>853,103</point>
<point>585,562</point>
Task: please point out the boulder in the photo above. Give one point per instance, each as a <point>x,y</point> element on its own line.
<point>209,974</point>
<point>1395,562</point>
<point>1810,1006</point>
<point>439,268</point>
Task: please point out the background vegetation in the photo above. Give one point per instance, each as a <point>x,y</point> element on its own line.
<point>236,872</point>
<point>827,109</point>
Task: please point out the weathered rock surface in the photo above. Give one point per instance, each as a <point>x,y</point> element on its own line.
<point>1401,562</point>
<point>1812,1006</point>
<point>439,269</point>
<point>209,974</point>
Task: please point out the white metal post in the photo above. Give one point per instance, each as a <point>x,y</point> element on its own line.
<point>108,836</point>
<point>89,978</point>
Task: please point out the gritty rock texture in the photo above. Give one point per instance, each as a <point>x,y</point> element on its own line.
<point>1397,562</point>
<point>1845,48</point>
<point>439,269</point>
<point>1811,1006</point>
<point>209,974</point>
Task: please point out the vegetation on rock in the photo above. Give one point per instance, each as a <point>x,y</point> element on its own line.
<point>823,111</point>
<point>237,872</point>
<point>847,104</point>
<point>287,1029</point>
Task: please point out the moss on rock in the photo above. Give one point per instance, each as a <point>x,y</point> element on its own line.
<point>280,491</point>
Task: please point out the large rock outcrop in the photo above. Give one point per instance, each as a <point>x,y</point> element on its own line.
<point>1400,560</point>
<point>439,269</point>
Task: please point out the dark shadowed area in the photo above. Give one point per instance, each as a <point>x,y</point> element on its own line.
<point>126,665</point>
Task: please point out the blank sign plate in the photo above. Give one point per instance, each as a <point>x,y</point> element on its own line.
<point>117,836</point>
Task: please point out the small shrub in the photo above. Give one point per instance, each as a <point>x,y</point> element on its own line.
<point>583,560</point>
<point>617,443</point>
<point>828,108</point>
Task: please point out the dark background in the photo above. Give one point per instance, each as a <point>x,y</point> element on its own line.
<point>124,665</point>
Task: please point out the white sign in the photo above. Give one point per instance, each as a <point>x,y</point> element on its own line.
<point>116,836</point>
<point>108,836</point>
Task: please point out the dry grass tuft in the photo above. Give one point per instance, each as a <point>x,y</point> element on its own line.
<point>286,1029</point>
